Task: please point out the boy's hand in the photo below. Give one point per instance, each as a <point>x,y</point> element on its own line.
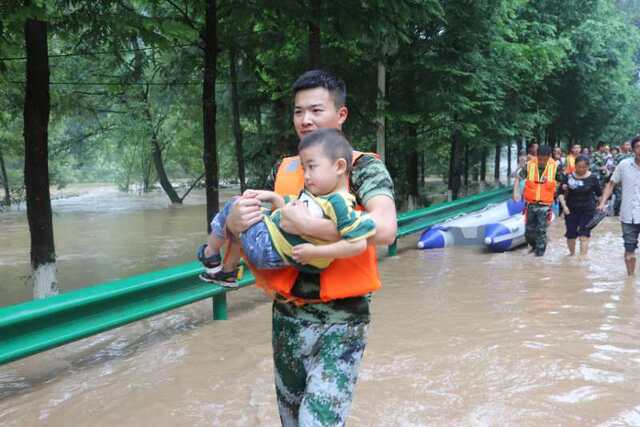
<point>294,216</point>
<point>303,253</point>
<point>250,193</point>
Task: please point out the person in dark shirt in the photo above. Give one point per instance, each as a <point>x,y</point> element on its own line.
<point>577,196</point>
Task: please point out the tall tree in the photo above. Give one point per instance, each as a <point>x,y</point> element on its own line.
<point>210,154</point>
<point>36,164</point>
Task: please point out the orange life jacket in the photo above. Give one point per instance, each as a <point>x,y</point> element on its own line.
<point>571,164</point>
<point>540,189</point>
<point>344,278</point>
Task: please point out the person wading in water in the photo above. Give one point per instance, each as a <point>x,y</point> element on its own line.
<point>627,175</point>
<point>577,196</point>
<point>541,176</point>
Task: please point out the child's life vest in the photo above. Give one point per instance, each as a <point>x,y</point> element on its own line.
<point>344,278</point>
<point>540,188</point>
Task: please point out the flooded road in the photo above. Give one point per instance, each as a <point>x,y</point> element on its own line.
<point>102,234</point>
<point>458,337</point>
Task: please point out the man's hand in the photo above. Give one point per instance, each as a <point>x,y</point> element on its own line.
<point>516,197</point>
<point>244,213</point>
<point>294,216</point>
<point>303,253</point>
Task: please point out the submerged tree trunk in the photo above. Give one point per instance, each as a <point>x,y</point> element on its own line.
<point>314,35</point>
<point>235,104</point>
<point>162,174</point>
<point>209,153</point>
<point>5,181</point>
<point>36,167</point>
<point>455,165</point>
<point>496,164</point>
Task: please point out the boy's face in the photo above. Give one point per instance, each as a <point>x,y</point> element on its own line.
<point>316,109</point>
<point>321,174</point>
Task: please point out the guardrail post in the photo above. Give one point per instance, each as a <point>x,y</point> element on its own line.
<point>393,248</point>
<point>220,307</point>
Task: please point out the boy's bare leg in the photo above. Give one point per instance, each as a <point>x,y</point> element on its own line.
<point>231,256</point>
<point>213,245</point>
<point>571,244</point>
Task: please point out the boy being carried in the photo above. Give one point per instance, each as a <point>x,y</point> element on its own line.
<point>326,157</point>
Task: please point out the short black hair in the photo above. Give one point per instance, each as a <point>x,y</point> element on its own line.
<point>634,141</point>
<point>334,145</point>
<point>600,145</point>
<point>544,150</point>
<point>325,79</point>
<point>582,158</point>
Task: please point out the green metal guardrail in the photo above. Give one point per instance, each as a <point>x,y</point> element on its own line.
<point>420,219</point>
<point>39,325</point>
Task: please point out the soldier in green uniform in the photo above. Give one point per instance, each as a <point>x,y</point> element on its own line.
<point>599,163</point>
<point>539,193</point>
<point>317,347</point>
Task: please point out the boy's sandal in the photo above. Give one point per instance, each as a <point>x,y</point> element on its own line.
<point>211,261</point>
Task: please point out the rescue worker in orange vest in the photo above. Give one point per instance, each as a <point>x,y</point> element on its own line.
<point>541,177</point>
<point>574,152</point>
<point>318,340</point>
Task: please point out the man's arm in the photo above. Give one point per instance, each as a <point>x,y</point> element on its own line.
<point>516,188</point>
<point>295,219</point>
<point>341,249</point>
<point>382,210</point>
<point>608,191</point>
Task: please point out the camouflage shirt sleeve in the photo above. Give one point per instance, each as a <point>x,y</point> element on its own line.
<point>270,183</point>
<point>370,178</point>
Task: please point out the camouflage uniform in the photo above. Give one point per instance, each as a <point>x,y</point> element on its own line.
<point>617,192</point>
<point>536,227</point>
<point>317,348</point>
<point>537,219</point>
<point>598,162</point>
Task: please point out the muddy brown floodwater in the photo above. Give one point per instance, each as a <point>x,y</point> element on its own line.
<point>459,337</point>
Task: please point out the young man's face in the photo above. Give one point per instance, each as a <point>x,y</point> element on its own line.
<point>575,150</point>
<point>636,149</point>
<point>626,147</point>
<point>316,109</point>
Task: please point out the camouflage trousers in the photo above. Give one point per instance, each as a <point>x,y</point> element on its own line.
<point>536,227</point>
<point>316,368</point>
